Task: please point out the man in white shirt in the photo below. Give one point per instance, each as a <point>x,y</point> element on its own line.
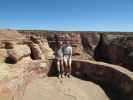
<point>67,57</point>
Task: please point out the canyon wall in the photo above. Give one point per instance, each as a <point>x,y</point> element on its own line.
<point>27,55</point>
<point>111,47</point>
<point>90,47</point>
<point>113,76</point>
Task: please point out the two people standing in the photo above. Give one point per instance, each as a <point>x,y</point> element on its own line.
<point>63,56</point>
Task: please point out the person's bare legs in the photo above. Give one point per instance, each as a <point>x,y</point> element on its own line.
<point>65,66</point>
<point>69,67</point>
<point>67,61</point>
<point>58,68</point>
<point>62,68</point>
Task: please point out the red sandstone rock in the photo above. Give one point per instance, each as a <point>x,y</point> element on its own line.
<point>117,49</point>
<point>18,52</point>
<point>117,76</point>
<point>36,53</point>
<point>90,41</point>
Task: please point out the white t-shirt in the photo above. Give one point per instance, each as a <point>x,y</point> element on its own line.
<point>67,50</point>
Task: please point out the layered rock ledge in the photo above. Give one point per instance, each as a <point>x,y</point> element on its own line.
<point>116,76</point>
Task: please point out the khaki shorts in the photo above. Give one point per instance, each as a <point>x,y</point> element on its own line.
<point>59,58</point>
<point>67,59</point>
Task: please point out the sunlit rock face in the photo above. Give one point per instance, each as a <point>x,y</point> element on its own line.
<point>40,46</point>
<point>18,52</point>
<point>68,89</point>
<point>18,68</point>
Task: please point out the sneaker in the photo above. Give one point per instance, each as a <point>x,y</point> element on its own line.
<point>62,76</point>
<point>59,76</point>
<point>69,76</point>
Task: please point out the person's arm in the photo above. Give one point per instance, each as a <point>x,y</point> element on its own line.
<point>55,53</point>
<point>63,51</point>
<point>70,51</point>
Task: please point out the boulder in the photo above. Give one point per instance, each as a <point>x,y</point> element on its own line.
<point>46,50</point>
<point>17,53</point>
<point>36,52</point>
<point>40,45</point>
<point>34,39</point>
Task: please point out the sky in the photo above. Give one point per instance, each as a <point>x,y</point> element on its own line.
<point>67,15</point>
